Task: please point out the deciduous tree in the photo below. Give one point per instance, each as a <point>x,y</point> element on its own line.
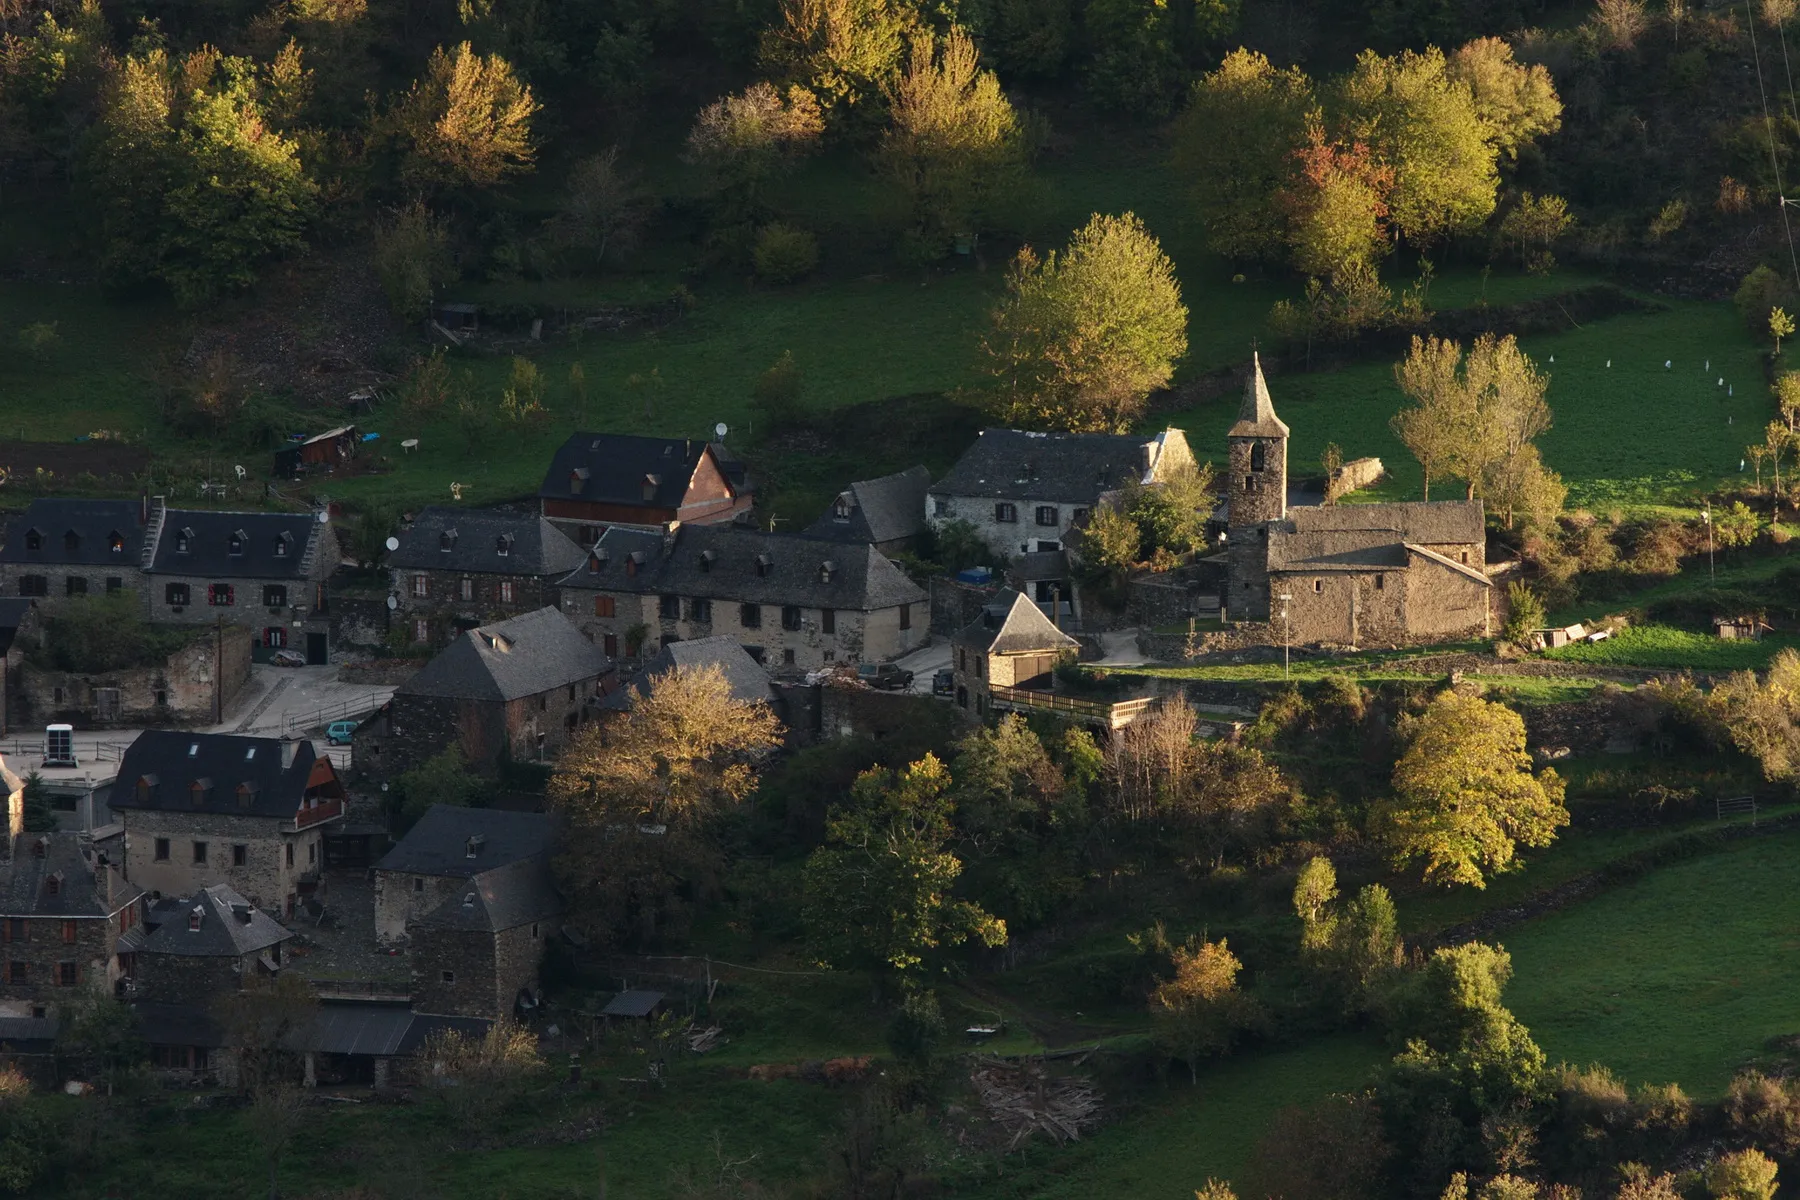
<point>1516,103</point>
<point>742,140</point>
<point>1464,793</point>
<point>604,210</point>
<point>467,122</point>
<point>843,51</point>
<point>643,792</point>
<point>1200,1012</point>
<point>413,258</point>
<point>1084,335</point>
<point>1335,206</point>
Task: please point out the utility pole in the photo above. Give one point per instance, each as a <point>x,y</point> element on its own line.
<point>1286,633</point>
<point>1706,519</point>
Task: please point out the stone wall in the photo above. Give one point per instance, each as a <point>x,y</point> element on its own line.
<point>94,580</point>
<point>197,979</point>
<point>87,942</point>
<point>1007,539</point>
<point>443,606</point>
<point>402,898</point>
<point>455,973</point>
<point>358,619</point>
<point>266,879</point>
<point>178,690</point>
<point>1170,597</point>
<point>954,605</point>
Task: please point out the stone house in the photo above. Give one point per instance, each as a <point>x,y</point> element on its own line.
<point>1011,645</point>
<point>1354,574</point>
<point>887,513</point>
<point>21,627</point>
<point>199,947</point>
<point>210,670</point>
<point>600,480</point>
<point>201,809</point>
<point>1023,492</point>
<point>477,954</point>
<point>456,568</point>
<point>515,690</point>
<point>264,570</point>
<point>788,599</point>
<point>66,913</point>
<point>442,852</point>
<point>59,548</point>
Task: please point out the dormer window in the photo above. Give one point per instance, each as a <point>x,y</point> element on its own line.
<point>234,544</point>
<point>196,918</point>
<point>146,789</point>
<point>183,539</point>
<point>578,481</point>
<point>842,509</point>
<point>71,541</point>
<point>633,562</point>
<point>651,483</point>
<point>597,560</point>
<point>826,570</point>
<point>764,564</point>
<point>115,542</point>
<point>53,885</point>
<point>474,845</point>
<point>39,848</point>
<point>447,541</point>
<point>281,546</point>
<point>706,560</point>
<point>246,795</point>
<point>200,791</point>
<point>503,545</point>
<point>34,540</point>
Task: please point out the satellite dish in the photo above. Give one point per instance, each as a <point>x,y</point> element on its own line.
<point>324,516</point>
<point>393,543</point>
<point>393,602</point>
<point>721,430</point>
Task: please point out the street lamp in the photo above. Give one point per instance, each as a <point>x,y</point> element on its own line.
<point>1286,633</point>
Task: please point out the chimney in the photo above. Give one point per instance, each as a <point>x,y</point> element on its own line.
<point>668,541</point>
<point>102,881</point>
<point>289,747</point>
<point>242,913</point>
<point>144,507</point>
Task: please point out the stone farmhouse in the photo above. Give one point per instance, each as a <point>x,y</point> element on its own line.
<point>456,568</point>
<point>196,948</point>
<point>1023,492</point>
<point>471,891</point>
<point>1352,575</point>
<point>789,600</point>
<point>66,916</point>
<point>207,808</point>
<point>887,513</point>
<point>516,689</point>
<point>1012,644</point>
<point>188,566</point>
<point>599,480</point>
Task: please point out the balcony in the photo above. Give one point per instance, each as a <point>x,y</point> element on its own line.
<point>1113,714</point>
<point>328,810</point>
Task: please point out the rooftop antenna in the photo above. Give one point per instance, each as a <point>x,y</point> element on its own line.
<point>720,430</point>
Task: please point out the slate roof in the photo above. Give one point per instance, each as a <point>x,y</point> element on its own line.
<point>71,862</point>
<point>270,545</point>
<point>879,510</point>
<point>439,843</point>
<point>1335,550</point>
<point>93,522</point>
<point>13,610</point>
<point>463,539</point>
<point>502,898</point>
<point>1011,464</point>
<point>383,1031</point>
<point>1011,624</point>
<point>635,1002</point>
<point>177,1025</point>
<point>1256,416</point>
<point>617,465</point>
<point>1446,561</point>
<point>174,761</point>
<point>230,926</point>
<point>749,682</point>
<point>1435,522</point>
<point>521,656</point>
<point>725,562</point>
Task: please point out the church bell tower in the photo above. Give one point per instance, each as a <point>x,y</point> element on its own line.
<point>1257,492</point>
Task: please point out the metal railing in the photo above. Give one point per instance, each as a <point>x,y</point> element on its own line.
<point>87,750</point>
<point>342,710</point>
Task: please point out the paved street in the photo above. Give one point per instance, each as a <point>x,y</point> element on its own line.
<point>925,662</point>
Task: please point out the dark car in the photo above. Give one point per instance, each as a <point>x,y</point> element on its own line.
<point>944,683</point>
<point>885,676</point>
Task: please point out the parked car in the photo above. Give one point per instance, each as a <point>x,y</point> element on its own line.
<point>944,683</point>
<point>338,732</point>
<point>885,676</point>
<point>288,658</point>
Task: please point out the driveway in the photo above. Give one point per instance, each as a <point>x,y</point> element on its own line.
<point>925,662</point>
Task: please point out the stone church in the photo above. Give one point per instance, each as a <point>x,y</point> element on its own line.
<point>1345,575</point>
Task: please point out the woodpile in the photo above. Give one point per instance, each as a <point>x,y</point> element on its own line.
<point>1022,1099</point>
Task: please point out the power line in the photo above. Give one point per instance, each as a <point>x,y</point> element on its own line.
<point>1762,92</point>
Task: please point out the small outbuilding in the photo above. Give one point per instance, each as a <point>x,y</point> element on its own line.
<point>635,1004</point>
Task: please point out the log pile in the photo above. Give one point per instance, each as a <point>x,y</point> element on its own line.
<point>1023,1099</point>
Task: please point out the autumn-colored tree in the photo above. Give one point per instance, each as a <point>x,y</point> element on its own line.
<point>1084,335</point>
<point>1442,417</point>
<point>1761,716</point>
<point>473,1074</point>
<point>1780,325</point>
<point>741,141</point>
<point>1516,103</point>
<point>1315,891</point>
<point>954,146</point>
<point>1233,145</point>
<point>1423,125</point>
<point>1532,228</point>
<point>467,122</point>
<point>1200,1012</point>
<point>843,51</point>
<point>1464,793</point>
<point>1334,206</point>
<point>643,792</point>
<point>1741,1175</point>
<point>880,892</point>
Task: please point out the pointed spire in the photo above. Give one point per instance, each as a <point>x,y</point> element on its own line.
<point>1257,416</point>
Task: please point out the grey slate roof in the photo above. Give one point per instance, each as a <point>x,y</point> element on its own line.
<point>749,682</point>
<point>522,656</point>
<point>1011,464</point>
<point>1011,624</point>
<point>724,562</point>
<point>464,539</point>
<point>230,926</point>
<point>439,843</point>
<point>502,898</point>
<point>173,761</point>
<point>876,510</point>
<point>71,863</point>
<point>636,1002</point>
<point>617,465</point>
<point>1256,416</point>
<point>270,545</point>
<point>1335,550</point>
<point>1435,522</point>
<point>383,1031</point>
<point>93,522</point>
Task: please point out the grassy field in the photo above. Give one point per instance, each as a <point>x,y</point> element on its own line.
<point>1664,647</point>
